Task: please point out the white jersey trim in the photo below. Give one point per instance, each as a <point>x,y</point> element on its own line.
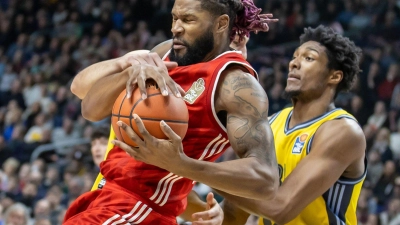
<point>216,83</point>
<point>166,54</point>
<point>130,217</point>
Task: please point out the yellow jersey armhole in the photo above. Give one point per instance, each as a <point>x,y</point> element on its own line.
<point>109,147</point>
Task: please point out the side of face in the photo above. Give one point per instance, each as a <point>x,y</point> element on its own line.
<point>193,32</point>
<point>308,71</point>
<point>98,149</point>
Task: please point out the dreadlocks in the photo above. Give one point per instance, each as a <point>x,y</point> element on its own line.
<point>244,16</point>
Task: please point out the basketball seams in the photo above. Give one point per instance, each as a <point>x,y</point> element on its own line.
<point>119,114</point>
<point>151,112</point>
<point>134,106</point>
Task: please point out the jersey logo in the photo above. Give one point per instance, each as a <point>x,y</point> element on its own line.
<point>101,183</point>
<point>299,144</point>
<point>195,91</point>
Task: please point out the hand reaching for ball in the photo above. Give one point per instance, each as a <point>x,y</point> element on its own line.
<point>146,66</point>
<point>163,153</point>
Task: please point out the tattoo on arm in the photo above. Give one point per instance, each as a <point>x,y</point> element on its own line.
<point>248,126</point>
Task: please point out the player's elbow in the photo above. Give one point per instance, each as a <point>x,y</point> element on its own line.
<point>282,217</point>
<point>269,183</point>
<point>91,112</point>
<point>76,90</point>
<point>283,213</point>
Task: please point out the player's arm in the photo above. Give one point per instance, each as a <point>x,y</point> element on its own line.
<point>254,176</point>
<point>85,79</point>
<point>98,102</point>
<point>337,145</point>
<point>200,212</point>
<point>99,99</point>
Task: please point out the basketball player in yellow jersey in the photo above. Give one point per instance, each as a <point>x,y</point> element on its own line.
<point>320,149</point>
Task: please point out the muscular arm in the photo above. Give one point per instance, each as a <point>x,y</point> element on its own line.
<point>100,91</point>
<point>255,175</point>
<point>85,79</point>
<point>337,146</point>
<point>99,101</point>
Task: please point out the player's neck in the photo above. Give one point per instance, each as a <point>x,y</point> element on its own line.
<point>304,111</point>
<point>216,52</point>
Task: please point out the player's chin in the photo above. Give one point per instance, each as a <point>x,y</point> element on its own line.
<point>179,52</point>
<point>291,92</point>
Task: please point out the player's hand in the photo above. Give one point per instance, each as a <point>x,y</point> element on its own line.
<point>266,19</point>
<point>212,216</point>
<point>150,66</point>
<point>158,152</point>
<point>240,44</point>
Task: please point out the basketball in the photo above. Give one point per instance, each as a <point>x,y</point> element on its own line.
<point>152,110</point>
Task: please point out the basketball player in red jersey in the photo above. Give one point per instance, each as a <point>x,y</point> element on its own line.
<point>227,106</point>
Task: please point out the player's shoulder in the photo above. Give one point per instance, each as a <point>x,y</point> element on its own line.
<point>239,75</point>
<point>234,84</point>
<point>342,134</point>
<point>346,126</point>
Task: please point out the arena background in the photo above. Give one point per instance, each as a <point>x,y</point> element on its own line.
<point>44,149</point>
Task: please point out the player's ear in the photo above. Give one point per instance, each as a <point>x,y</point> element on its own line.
<point>335,77</point>
<point>222,23</point>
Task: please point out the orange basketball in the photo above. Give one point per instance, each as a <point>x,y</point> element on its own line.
<point>152,110</point>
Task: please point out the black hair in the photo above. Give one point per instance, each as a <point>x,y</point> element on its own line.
<point>342,53</point>
<point>99,132</point>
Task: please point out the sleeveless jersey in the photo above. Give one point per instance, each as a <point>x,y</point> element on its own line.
<point>206,139</point>
<point>337,205</point>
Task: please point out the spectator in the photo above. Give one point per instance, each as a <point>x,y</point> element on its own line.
<point>36,132</point>
<point>64,133</point>
<point>99,143</point>
<point>385,88</point>
<point>41,210</point>
<point>357,109</point>
<point>276,100</point>
<point>376,120</point>
<point>384,187</point>
<point>375,167</point>
<point>42,222</point>
<point>17,214</point>
<point>392,215</point>
<point>395,141</point>
<point>394,107</point>
<point>10,167</point>
<point>381,145</point>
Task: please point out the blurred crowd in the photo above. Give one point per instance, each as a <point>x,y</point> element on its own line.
<point>44,43</point>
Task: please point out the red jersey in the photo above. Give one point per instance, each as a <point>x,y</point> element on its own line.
<point>206,139</point>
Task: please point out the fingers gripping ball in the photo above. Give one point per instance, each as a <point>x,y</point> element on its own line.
<point>152,110</point>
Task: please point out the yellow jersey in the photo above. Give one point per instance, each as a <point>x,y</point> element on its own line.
<point>338,204</point>
<point>99,182</point>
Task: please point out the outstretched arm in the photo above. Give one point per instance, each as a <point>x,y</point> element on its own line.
<point>338,144</point>
<point>253,176</point>
<point>85,79</point>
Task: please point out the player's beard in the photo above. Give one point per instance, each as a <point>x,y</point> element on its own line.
<point>196,52</point>
<point>289,95</point>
